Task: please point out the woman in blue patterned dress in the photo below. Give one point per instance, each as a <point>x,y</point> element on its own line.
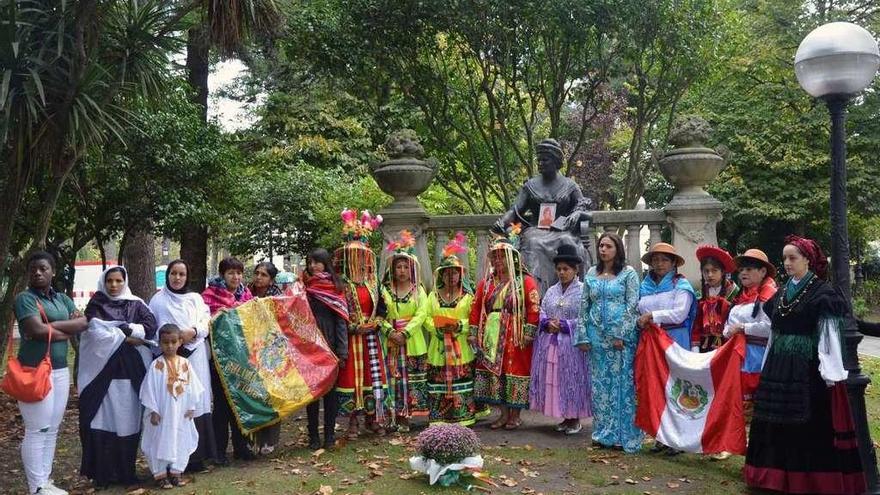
<point>608,332</point>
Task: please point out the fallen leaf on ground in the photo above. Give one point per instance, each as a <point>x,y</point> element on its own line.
<point>630,481</point>
<point>509,482</point>
<point>646,478</point>
<point>139,491</point>
<point>324,490</point>
<point>670,484</point>
<point>318,453</point>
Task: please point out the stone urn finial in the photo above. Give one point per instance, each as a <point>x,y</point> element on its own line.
<point>404,175</point>
<point>690,165</point>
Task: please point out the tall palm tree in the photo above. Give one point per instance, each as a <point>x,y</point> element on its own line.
<point>66,69</point>
<point>224,26</point>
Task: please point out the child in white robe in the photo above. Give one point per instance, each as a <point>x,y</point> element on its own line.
<point>169,393</point>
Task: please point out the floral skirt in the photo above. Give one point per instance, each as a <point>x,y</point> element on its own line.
<point>505,389</point>
<point>451,394</point>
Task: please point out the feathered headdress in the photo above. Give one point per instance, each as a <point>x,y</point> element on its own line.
<point>506,246</point>
<point>355,256</point>
<point>404,244</point>
<point>356,229</point>
<point>508,241</point>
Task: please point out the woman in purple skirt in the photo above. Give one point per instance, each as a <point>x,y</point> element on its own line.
<point>560,384</point>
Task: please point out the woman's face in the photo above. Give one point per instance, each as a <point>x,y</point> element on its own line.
<point>40,274</point>
<point>795,263</point>
<point>316,267</point>
<point>607,250</point>
<point>402,271</point>
<point>451,277</point>
<point>750,276</point>
<point>262,279</point>
<point>712,275</point>
<point>232,278</point>
<point>114,282</point>
<point>565,272</point>
<point>177,276</point>
<point>499,265</point>
<point>661,264</point>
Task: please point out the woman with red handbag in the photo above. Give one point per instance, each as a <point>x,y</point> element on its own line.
<point>46,319</point>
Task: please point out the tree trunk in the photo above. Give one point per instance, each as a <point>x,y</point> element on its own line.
<point>140,261</point>
<point>194,235</point>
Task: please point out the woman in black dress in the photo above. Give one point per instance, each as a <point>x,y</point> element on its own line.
<point>802,437</point>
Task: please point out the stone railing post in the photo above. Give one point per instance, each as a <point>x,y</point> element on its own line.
<point>405,175</point>
<point>693,212</point>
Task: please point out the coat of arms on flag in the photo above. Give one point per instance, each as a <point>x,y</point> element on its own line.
<point>690,401</point>
<point>271,358</point>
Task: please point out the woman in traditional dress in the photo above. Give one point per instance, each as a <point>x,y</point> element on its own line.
<point>177,305</point>
<point>560,383</point>
<point>716,298</point>
<point>608,332</point>
<point>749,316</point>
<point>263,285</point>
<point>668,300</point>
<point>405,347</point>
<point>503,322</point>
<point>362,386</point>
<point>802,437</point>
<point>450,357</point>
<point>327,300</point>
<point>42,313</point>
<point>114,358</point>
<point>223,292</point>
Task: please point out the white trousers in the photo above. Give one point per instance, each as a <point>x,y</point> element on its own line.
<point>160,467</point>
<point>41,422</point>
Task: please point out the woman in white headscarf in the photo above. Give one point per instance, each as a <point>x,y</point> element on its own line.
<point>114,354</point>
<point>176,304</point>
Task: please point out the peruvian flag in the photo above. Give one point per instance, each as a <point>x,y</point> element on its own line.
<point>687,400</point>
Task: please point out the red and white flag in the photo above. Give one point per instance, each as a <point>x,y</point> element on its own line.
<point>687,400</point>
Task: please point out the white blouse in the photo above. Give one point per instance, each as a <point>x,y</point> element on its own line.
<point>667,308</point>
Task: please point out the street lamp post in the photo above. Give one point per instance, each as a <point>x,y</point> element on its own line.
<point>835,62</point>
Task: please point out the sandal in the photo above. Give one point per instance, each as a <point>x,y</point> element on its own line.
<point>513,425</point>
<point>164,483</point>
<point>178,480</point>
<point>498,423</point>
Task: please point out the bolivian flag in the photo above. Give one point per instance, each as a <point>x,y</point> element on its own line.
<point>271,357</point>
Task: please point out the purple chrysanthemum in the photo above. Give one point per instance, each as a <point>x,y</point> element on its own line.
<point>447,443</point>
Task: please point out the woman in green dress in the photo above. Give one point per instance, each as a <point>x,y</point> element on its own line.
<point>450,358</point>
<point>405,348</point>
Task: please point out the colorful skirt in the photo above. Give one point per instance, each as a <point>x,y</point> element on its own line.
<point>451,394</point>
<point>560,382</point>
<point>362,385</point>
<point>408,382</point>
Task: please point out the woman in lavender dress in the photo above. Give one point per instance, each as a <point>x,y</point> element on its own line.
<point>560,383</point>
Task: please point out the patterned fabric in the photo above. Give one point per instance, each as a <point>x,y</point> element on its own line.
<point>450,361</point>
<point>502,373</point>
<point>712,311</point>
<point>560,378</point>
<point>407,364</point>
<point>218,297</point>
<point>362,383</point>
<point>609,311</point>
<point>320,287</point>
<point>409,394</point>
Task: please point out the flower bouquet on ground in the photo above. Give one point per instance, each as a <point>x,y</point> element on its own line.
<point>446,453</point>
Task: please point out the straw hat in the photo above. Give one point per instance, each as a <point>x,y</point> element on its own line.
<point>663,248</point>
<point>759,256</point>
<point>709,251</point>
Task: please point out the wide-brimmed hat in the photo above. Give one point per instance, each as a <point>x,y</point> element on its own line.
<point>663,248</point>
<point>723,257</point>
<point>759,256</point>
<point>567,253</point>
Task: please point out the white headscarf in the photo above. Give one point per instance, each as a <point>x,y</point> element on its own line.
<point>126,292</point>
<point>184,310</point>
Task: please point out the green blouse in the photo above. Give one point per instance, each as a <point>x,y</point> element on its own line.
<point>460,311</point>
<point>406,308</point>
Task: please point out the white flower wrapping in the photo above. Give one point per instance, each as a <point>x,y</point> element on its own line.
<point>435,470</point>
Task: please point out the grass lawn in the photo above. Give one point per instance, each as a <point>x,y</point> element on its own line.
<point>531,460</point>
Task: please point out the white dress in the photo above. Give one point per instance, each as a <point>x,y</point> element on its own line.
<point>170,389</point>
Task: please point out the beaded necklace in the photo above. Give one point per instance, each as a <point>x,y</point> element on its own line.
<point>785,306</point>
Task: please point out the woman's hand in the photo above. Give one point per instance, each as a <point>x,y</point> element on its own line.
<point>584,347</point>
<point>645,319</point>
<point>155,418</point>
<point>365,328</point>
<point>187,335</point>
<point>617,344</point>
<point>398,338</point>
<point>134,341</point>
<point>451,328</point>
<point>552,326</point>
<point>738,328</point>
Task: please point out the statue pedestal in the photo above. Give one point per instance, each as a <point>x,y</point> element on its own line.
<point>693,219</point>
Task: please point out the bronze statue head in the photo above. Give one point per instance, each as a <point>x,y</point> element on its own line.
<point>549,157</point>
